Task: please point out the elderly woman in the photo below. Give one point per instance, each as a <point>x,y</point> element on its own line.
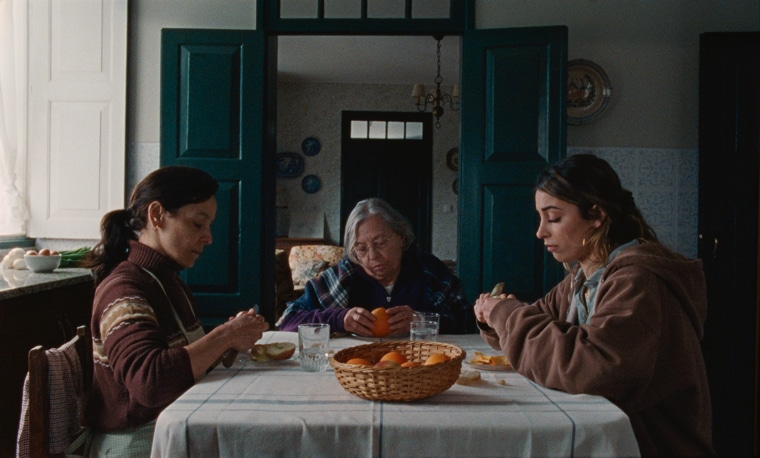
<point>383,268</point>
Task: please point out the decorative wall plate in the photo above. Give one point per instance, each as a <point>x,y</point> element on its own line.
<point>588,91</point>
<point>311,184</point>
<point>310,146</point>
<point>452,159</point>
<point>289,165</point>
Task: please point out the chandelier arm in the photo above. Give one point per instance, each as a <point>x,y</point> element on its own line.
<point>436,97</point>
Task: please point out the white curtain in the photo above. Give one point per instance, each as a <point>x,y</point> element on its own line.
<point>13,210</point>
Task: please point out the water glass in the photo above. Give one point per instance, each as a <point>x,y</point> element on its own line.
<point>313,346</point>
<point>424,326</point>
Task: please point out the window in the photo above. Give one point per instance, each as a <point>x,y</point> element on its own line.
<point>386,130</point>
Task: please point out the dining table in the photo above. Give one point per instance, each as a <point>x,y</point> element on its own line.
<point>275,408</point>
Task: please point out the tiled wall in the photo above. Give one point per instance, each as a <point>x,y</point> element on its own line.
<point>664,183</point>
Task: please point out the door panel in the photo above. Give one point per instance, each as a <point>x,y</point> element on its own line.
<point>729,157</point>
<point>513,126</point>
<point>398,171</point>
<point>212,110</point>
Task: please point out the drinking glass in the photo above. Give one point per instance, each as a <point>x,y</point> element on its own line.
<point>313,346</point>
<point>424,326</point>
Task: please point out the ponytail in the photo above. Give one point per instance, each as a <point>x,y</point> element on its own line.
<point>116,231</point>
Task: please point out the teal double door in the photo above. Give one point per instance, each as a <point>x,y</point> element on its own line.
<point>218,113</point>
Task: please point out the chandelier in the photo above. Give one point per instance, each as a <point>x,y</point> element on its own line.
<point>436,97</point>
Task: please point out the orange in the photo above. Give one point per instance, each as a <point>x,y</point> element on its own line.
<point>381,328</point>
<point>394,356</point>
<point>359,361</point>
<point>410,364</point>
<point>435,358</point>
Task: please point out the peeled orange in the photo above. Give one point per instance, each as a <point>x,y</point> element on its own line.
<point>435,358</point>
<point>381,328</point>
<point>394,356</point>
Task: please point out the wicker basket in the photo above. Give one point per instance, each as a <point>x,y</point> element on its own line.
<point>397,383</point>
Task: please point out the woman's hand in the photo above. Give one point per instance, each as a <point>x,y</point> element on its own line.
<point>485,304</point>
<point>359,321</point>
<point>400,317</point>
<point>246,329</point>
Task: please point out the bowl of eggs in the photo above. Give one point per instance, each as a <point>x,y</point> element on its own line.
<point>42,261</point>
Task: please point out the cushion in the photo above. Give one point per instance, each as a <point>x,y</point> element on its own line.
<point>308,261</point>
<point>308,269</point>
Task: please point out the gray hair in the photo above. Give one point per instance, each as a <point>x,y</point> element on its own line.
<point>376,207</point>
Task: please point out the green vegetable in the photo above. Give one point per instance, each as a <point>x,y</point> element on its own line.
<point>72,258</point>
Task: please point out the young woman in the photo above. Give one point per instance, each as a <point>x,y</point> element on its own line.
<point>625,323</point>
<point>383,268</point>
<point>148,345</point>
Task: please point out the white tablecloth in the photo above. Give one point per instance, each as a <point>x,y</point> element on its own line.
<point>275,409</point>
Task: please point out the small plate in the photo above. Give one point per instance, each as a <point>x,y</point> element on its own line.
<point>490,367</point>
<point>274,362</point>
<point>310,146</point>
<point>311,184</point>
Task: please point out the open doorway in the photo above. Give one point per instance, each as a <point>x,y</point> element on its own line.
<point>316,84</point>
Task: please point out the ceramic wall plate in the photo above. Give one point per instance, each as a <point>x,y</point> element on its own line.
<point>452,159</point>
<point>310,146</point>
<point>289,165</point>
<point>588,91</point>
<point>311,184</point>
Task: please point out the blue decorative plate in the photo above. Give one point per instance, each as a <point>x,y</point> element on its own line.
<point>311,184</point>
<point>289,165</point>
<point>310,146</point>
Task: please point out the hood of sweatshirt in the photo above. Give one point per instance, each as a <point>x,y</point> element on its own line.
<point>683,276</point>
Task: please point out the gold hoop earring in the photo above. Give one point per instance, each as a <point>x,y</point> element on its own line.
<point>584,241</point>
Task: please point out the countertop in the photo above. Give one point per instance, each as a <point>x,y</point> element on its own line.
<point>15,283</point>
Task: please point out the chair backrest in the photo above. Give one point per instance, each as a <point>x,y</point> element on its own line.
<point>308,261</point>
<point>39,390</point>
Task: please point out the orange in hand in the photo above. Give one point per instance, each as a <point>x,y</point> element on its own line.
<point>381,328</point>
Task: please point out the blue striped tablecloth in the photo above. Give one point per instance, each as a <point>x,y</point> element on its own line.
<point>275,409</point>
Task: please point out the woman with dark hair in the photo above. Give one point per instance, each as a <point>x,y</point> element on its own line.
<point>383,268</point>
<point>625,323</point>
<point>148,344</point>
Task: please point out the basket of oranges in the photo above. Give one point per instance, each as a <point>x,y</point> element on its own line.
<point>398,370</point>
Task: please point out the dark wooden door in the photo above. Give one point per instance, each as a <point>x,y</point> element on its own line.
<point>213,92</point>
<point>398,170</point>
<point>513,125</point>
<point>729,157</point>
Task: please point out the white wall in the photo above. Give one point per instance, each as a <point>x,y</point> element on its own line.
<point>649,49</point>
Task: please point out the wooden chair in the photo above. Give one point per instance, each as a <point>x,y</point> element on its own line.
<point>39,399</point>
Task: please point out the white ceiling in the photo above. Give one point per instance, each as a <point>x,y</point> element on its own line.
<point>367,59</point>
